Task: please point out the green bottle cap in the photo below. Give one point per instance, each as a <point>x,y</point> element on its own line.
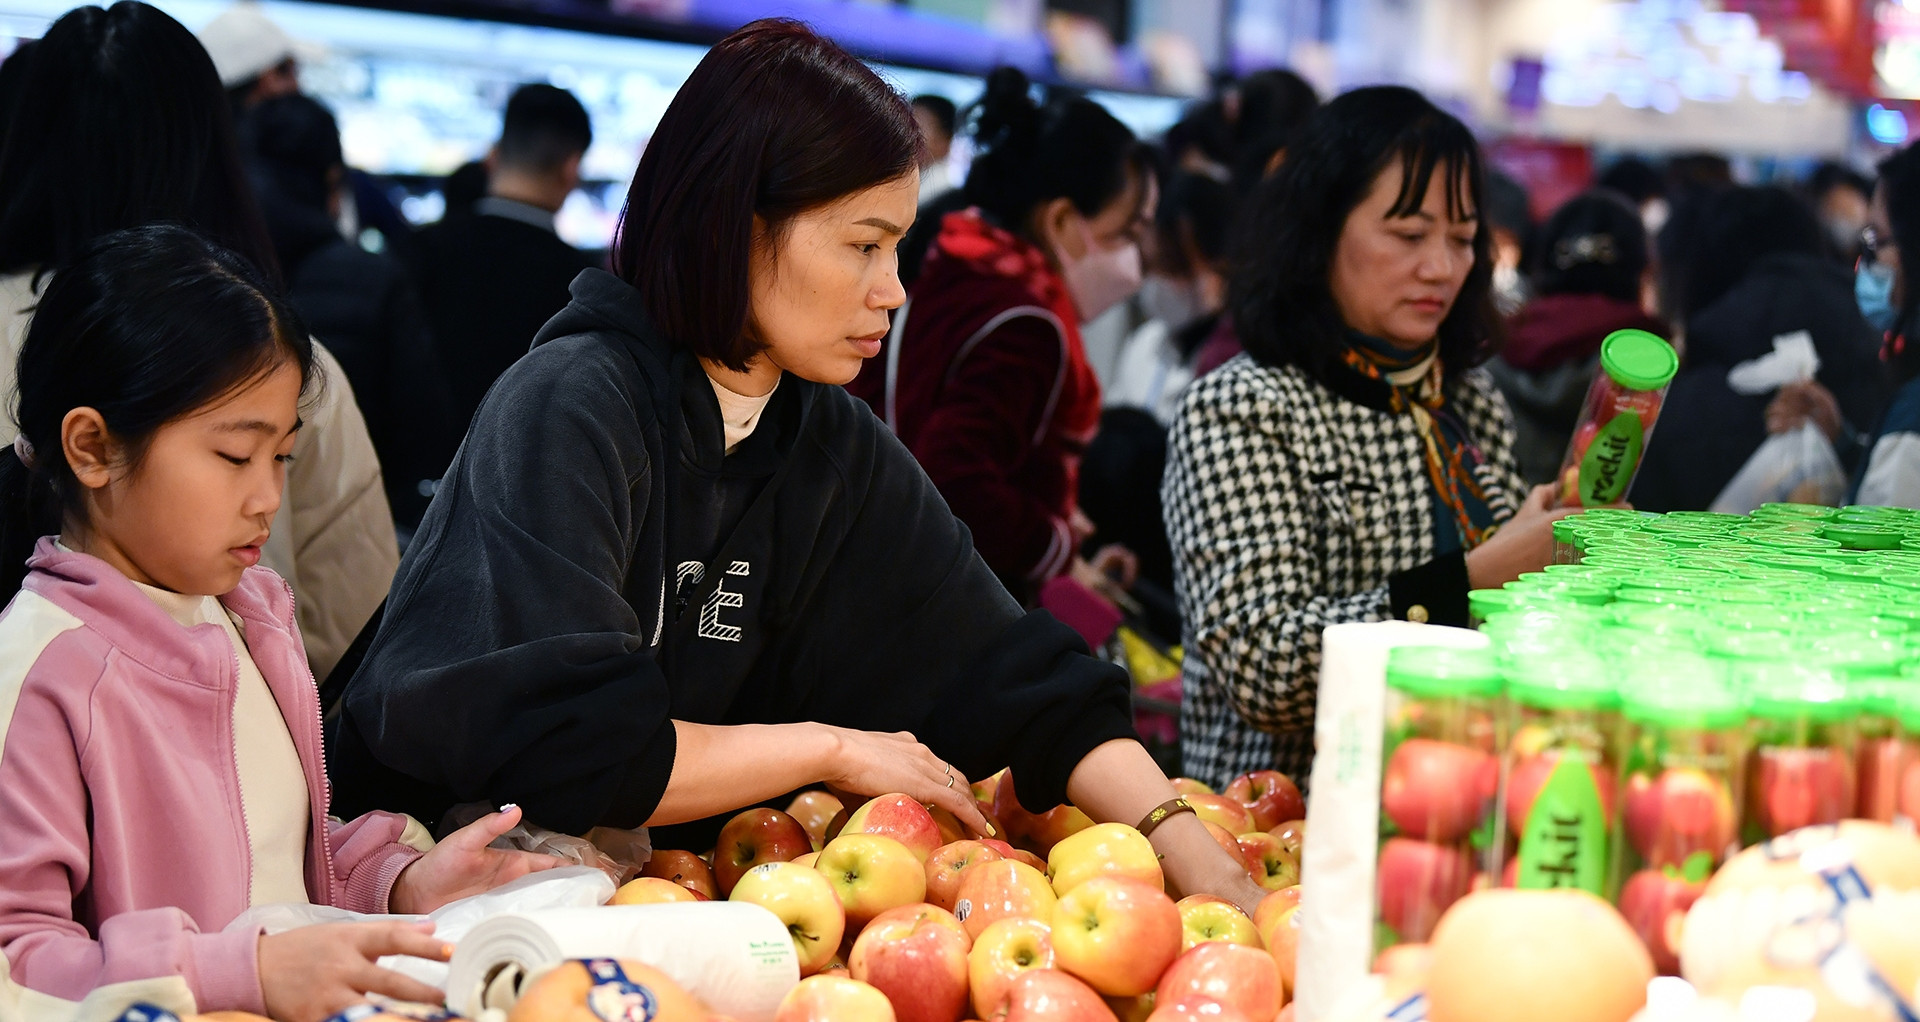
<point>1781,690</point>
<point>1638,360</point>
<point>1906,708</point>
<point>1783,510</point>
<point>1864,537</point>
<point>1705,705</point>
<point>1443,671</point>
<point>1565,531</point>
<point>1560,682</point>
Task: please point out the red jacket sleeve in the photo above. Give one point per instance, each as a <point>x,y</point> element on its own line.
<point>990,410</point>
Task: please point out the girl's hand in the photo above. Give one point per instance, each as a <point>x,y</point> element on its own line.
<point>1524,543</point>
<point>1799,403</point>
<point>868,763</point>
<point>310,974</point>
<point>463,866</point>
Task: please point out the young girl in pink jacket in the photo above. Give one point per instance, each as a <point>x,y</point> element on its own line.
<point>160,764</point>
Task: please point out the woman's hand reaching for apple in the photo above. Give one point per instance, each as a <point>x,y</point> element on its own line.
<point>463,865</point>
<point>871,763</point>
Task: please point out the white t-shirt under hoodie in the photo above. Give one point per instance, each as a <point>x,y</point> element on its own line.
<point>739,413</point>
<point>273,787</point>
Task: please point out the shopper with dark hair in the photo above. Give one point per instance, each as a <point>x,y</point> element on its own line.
<point>1354,464</point>
<point>13,77</point>
<point>1272,106</point>
<point>489,281</point>
<point>1889,457</point>
<point>1589,267</point>
<point>1840,196</point>
<point>677,570</point>
<point>1757,271</point>
<point>1182,297</point>
<point>938,120</point>
<point>985,378</point>
<point>128,126</point>
<point>359,303</point>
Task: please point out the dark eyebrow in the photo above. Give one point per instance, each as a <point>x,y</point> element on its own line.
<point>885,225</point>
<point>258,426</point>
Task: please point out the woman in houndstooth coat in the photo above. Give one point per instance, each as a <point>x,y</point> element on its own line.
<point>1354,464</point>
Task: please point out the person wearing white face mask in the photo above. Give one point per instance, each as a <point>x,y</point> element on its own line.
<point>1185,289</point>
<point>985,377</point>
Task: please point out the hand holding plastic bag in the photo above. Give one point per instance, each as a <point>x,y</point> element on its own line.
<point>1797,466</point>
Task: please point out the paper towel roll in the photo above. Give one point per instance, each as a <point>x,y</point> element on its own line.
<point>1343,817</point>
<point>736,958</point>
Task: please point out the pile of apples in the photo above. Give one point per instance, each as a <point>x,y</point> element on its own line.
<point>898,916</point>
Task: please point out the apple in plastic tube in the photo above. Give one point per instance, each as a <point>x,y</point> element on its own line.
<point>1910,791</point>
<point>833,999</point>
<point>917,956</point>
<point>1007,889</point>
<point>804,902</point>
<point>1205,917</point>
<point>1682,812</point>
<point>1270,797</point>
<point>1655,903</point>
<point>1418,882</point>
<point>1273,867</point>
<point>1116,933</point>
<point>684,868</point>
<point>946,865</point>
<point>1240,977</point>
<point>871,874</point>
<point>1001,953</point>
<point>901,818</point>
<point>1221,810</point>
<point>753,837</point>
<point>1050,995</point>
<point>1791,788</point>
<point>1531,773</point>
<point>1431,789</point>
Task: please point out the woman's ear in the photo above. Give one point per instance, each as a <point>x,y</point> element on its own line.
<point>1053,227</point>
<point>89,447</point>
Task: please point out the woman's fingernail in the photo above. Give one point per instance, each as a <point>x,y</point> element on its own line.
<point>446,950</point>
<point>991,832</point>
<point>509,807</point>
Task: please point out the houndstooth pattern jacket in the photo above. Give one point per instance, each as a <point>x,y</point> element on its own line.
<point>1291,508</point>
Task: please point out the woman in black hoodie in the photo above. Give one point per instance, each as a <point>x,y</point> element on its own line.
<point>676,570</point>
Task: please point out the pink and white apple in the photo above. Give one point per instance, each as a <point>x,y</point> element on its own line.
<point>1000,954</point>
<point>753,837</point>
<point>1007,889</point>
<point>833,999</point>
<point>947,863</point>
<point>804,902</point>
<point>1050,995</point>
<point>1431,789</point>
<point>1271,865</point>
<point>917,956</point>
<point>871,874</point>
<point>1205,917</point>
<point>1270,796</point>
<point>1418,882</point>
<point>1105,849</point>
<point>901,818</point>
<point>1117,933</point>
<point>1240,977</point>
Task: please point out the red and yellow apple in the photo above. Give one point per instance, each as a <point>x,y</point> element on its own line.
<point>651,891</point>
<point>1205,917</point>
<point>1683,812</point>
<point>1431,789</point>
<point>805,902</point>
<point>833,999</point>
<point>1232,845</point>
<point>1000,954</point>
<point>1418,882</point>
<point>1791,788</point>
<point>753,837</point>
<point>815,810</point>
<point>1281,933</point>
<point>1270,796</point>
<point>1007,889</point>
<point>1271,865</point>
<point>684,868</point>
<point>1219,809</point>
<point>1189,786</point>
<point>1273,906</point>
<point>1049,995</point>
<point>1105,849</point>
<point>1196,1009</point>
<point>1655,902</point>
<point>1240,977</point>
<point>901,818</point>
<point>871,874</point>
<point>1292,835</point>
<point>1116,933</point>
<point>917,956</point>
<point>946,864</point>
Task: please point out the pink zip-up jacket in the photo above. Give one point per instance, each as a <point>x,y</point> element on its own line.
<point>123,845</point>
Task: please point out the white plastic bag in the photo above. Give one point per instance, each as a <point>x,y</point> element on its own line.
<point>564,887</point>
<point>618,853</point>
<point>1798,467</point>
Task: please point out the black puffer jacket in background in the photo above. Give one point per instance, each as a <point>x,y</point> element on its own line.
<point>1706,431</point>
<point>595,568</point>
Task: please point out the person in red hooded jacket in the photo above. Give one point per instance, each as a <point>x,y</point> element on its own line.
<point>1586,279</point>
<point>985,378</point>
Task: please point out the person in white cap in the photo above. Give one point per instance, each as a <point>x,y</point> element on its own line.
<point>255,58</point>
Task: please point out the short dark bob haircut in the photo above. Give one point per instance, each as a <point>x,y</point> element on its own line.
<point>1594,244</point>
<point>1280,299</point>
<point>774,122</point>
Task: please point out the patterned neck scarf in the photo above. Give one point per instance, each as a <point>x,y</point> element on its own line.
<point>1414,378</point>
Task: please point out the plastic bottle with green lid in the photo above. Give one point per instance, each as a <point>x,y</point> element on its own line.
<point>1615,424</point>
<point>1882,757</point>
<point>1801,770</point>
<point>1906,707</point>
<point>1561,770</point>
<point>1684,770</point>
<point>1440,775</point>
